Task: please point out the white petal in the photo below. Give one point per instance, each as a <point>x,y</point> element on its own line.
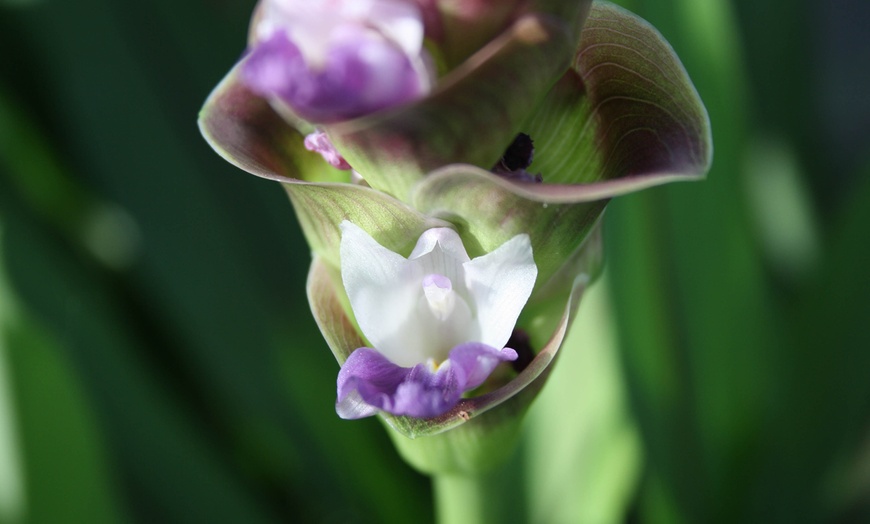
<point>312,25</point>
<point>445,237</point>
<point>500,283</point>
<point>382,300</point>
<point>440,251</point>
<point>401,22</point>
<point>407,309</point>
<point>385,293</point>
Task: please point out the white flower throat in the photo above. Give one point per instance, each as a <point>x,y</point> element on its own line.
<point>439,294</point>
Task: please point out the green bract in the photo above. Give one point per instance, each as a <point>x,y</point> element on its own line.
<point>610,109</point>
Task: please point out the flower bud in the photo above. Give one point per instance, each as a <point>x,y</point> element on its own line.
<point>331,60</point>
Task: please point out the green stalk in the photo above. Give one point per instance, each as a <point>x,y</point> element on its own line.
<point>493,497</point>
<point>461,499</point>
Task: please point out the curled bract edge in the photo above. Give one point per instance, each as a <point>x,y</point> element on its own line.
<point>613,113</point>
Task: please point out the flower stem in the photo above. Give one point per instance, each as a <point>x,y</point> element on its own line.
<point>458,500</point>
<point>476,499</point>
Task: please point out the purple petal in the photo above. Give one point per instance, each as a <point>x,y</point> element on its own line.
<point>478,360</point>
<point>372,74</point>
<point>368,382</point>
<point>425,394</point>
<point>361,74</point>
<point>273,66</point>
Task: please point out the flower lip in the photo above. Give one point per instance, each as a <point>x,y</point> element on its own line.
<point>368,382</point>
<point>436,306</point>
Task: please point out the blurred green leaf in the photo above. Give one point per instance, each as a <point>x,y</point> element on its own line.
<point>179,350</point>
<point>695,311</point>
<point>738,374</point>
<point>64,474</point>
<point>143,417</point>
<point>832,379</point>
<point>787,225</point>
<point>36,170</point>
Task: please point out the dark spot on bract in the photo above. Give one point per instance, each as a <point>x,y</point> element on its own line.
<point>520,153</point>
<point>517,157</point>
<point>520,343</point>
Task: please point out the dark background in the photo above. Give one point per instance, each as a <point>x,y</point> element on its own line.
<point>158,362</point>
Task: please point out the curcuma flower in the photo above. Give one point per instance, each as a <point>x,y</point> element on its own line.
<point>438,320</point>
<point>399,119</point>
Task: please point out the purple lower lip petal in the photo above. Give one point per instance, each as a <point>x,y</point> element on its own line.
<point>368,382</point>
<point>478,361</point>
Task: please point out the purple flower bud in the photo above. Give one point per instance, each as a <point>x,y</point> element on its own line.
<point>335,60</point>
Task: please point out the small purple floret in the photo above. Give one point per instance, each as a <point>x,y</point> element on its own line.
<point>368,382</point>
<point>319,142</point>
<point>361,74</point>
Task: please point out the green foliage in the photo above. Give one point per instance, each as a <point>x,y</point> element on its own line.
<point>743,372</point>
